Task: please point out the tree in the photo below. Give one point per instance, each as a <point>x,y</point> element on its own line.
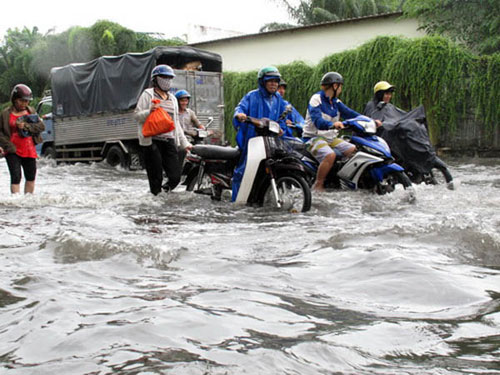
<point>27,56</point>
<point>475,23</point>
<point>16,58</point>
<point>308,12</point>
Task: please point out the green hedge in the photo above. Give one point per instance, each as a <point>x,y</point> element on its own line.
<point>450,81</point>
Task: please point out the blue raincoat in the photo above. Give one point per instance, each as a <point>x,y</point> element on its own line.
<point>297,120</point>
<point>257,103</point>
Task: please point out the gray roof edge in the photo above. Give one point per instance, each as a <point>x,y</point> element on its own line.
<point>296,28</point>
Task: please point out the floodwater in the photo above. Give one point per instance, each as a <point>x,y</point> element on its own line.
<point>100,277</point>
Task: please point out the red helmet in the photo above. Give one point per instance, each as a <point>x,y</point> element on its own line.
<point>21,91</point>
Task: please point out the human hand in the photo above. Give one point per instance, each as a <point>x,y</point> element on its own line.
<point>189,147</point>
<point>155,103</point>
<point>21,125</point>
<point>201,127</point>
<point>338,125</point>
<point>241,117</point>
<point>378,123</point>
<point>2,152</point>
<point>289,122</point>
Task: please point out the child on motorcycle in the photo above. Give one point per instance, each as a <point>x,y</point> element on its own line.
<point>259,103</point>
<point>323,123</point>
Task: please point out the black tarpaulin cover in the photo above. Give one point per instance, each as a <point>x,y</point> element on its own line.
<point>114,83</point>
<point>407,136</point>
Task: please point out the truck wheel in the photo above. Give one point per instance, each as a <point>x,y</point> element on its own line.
<point>116,156</point>
<point>49,152</point>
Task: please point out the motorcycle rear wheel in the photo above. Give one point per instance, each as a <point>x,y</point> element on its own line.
<point>441,173</point>
<point>294,194</point>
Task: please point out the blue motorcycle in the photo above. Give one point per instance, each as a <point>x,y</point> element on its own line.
<point>370,167</point>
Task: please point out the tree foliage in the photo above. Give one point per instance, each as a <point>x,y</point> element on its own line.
<point>26,56</point>
<point>308,12</point>
<point>476,23</point>
<point>451,82</point>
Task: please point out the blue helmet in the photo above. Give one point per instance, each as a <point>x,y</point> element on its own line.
<point>162,70</point>
<point>182,94</point>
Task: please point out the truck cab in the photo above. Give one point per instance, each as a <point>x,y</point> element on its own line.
<point>44,110</point>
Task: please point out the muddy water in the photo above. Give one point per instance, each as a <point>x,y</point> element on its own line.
<point>100,277</point>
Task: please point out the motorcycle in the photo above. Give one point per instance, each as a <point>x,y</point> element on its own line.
<point>272,176</point>
<point>370,167</point>
<point>196,136</point>
<point>406,133</point>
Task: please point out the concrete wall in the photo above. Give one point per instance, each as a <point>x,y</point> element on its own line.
<point>309,44</point>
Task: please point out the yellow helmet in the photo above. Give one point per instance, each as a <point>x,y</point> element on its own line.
<point>382,86</point>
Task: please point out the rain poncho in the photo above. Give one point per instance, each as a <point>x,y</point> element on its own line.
<point>296,118</point>
<point>257,103</point>
<point>406,134</point>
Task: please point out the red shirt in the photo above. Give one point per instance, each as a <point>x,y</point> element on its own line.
<point>25,147</point>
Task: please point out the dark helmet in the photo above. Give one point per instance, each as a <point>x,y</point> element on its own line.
<point>162,70</point>
<point>330,78</point>
<point>21,91</point>
<point>282,83</point>
<point>182,94</point>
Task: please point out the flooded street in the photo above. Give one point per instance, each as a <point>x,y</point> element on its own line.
<point>100,277</point>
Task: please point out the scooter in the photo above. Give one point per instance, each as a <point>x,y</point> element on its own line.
<point>272,178</point>
<point>197,136</point>
<point>371,166</point>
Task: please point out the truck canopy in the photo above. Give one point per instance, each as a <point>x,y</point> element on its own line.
<point>114,83</point>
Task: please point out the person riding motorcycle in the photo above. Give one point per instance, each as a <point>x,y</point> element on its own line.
<point>382,95</point>
<point>294,119</point>
<point>323,123</point>
<point>263,102</point>
<point>187,117</point>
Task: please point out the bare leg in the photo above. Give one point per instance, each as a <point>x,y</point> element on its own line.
<point>29,187</point>
<point>15,189</point>
<point>349,152</point>
<point>324,167</point>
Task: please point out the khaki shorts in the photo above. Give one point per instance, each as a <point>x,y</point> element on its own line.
<point>320,148</point>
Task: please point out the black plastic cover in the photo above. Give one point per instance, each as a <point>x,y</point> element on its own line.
<point>407,136</point>
<point>114,83</point>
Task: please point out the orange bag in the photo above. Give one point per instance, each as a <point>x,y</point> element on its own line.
<point>158,122</point>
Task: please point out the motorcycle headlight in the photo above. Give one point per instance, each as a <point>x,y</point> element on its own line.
<point>372,151</point>
<point>274,127</point>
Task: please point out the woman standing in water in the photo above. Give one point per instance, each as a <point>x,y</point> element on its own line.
<point>19,132</point>
<point>160,151</point>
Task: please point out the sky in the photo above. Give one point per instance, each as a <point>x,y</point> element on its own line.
<point>169,17</point>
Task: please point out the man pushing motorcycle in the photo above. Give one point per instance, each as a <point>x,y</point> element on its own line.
<point>263,102</point>
<point>323,123</point>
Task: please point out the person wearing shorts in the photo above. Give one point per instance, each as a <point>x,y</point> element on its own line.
<point>20,131</point>
<point>322,125</point>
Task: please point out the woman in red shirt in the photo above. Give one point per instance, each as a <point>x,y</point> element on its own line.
<point>19,133</point>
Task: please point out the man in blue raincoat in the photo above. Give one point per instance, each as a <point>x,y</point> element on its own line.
<point>259,103</point>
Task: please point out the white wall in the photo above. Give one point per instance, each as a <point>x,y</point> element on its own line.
<point>308,44</point>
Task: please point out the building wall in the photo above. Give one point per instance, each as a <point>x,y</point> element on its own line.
<point>308,44</point>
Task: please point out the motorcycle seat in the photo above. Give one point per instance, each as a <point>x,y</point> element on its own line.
<point>216,152</point>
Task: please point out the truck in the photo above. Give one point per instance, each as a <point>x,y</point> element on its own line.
<point>88,114</point>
